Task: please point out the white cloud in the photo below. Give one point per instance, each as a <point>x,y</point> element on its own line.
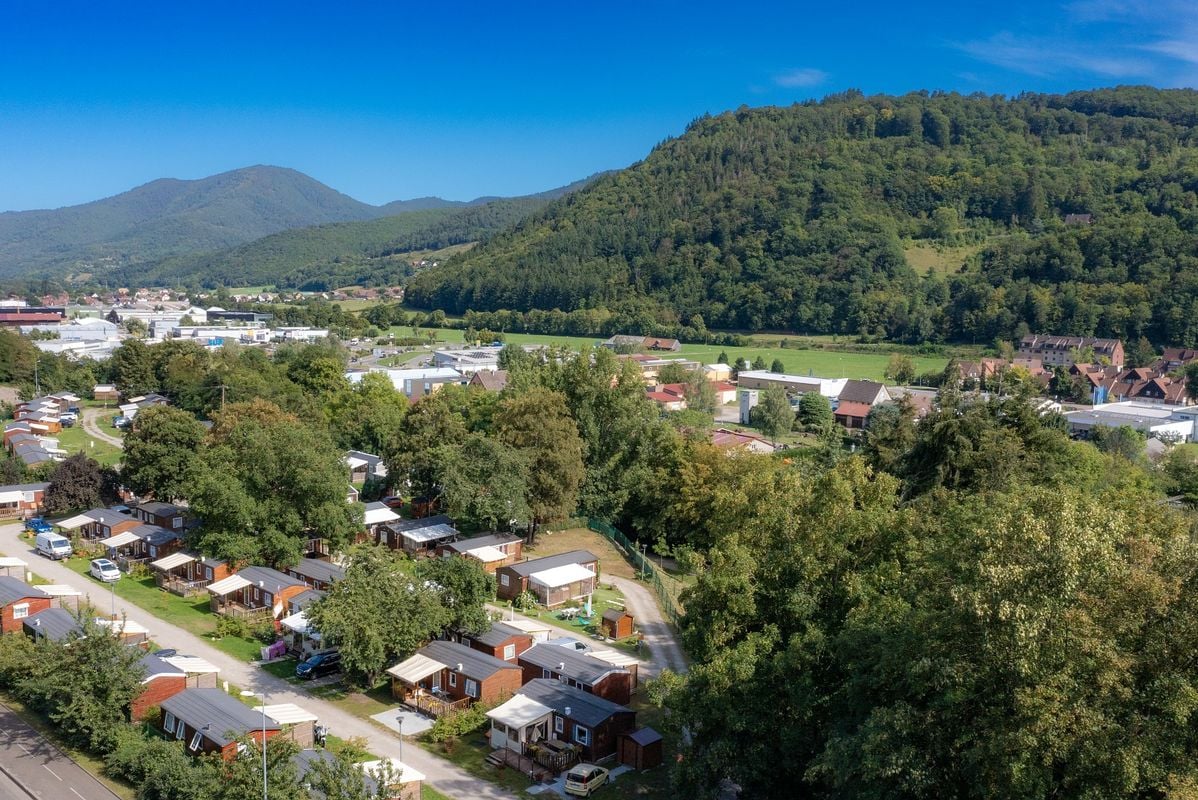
<point>805,76</point>
<point>1045,57</point>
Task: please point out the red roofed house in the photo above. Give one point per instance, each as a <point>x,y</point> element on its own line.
<point>739,440</point>
<point>852,415</point>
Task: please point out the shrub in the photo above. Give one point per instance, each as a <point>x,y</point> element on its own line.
<point>231,626</point>
<point>454,726</point>
<point>525,601</point>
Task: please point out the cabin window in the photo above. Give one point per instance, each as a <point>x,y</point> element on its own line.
<point>453,679</point>
<point>168,722</point>
<point>503,580</point>
<point>559,725</point>
<point>177,522</point>
<point>179,730</point>
<point>582,735</point>
<point>546,673</point>
<point>472,688</point>
<point>195,742</point>
<point>20,611</point>
<point>509,652</point>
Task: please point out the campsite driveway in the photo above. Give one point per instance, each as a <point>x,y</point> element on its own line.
<point>90,420</point>
<point>664,650</point>
<point>442,775</point>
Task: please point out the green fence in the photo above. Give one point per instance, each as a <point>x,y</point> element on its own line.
<point>668,589</point>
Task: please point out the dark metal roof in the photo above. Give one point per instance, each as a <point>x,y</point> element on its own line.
<point>493,540</point>
<point>213,562</point>
<point>155,667</point>
<point>152,534</point>
<point>497,635</point>
<point>55,624</point>
<point>569,662</point>
<point>317,570</point>
<point>476,665</point>
<point>401,525</point>
<point>107,516</point>
<point>615,614</point>
<point>585,709</point>
<point>857,391</point>
<point>159,508</point>
<point>226,716</point>
<point>526,568</point>
<point>271,578</point>
<point>644,736</point>
<point>25,487</point>
<point>14,589</point>
<point>305,599</point>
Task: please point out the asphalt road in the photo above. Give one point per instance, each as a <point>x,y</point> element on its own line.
<point>32,768</point>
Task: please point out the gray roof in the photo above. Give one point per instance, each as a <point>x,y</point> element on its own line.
<point>566,661</point>
<point>14,589</point>
<point>270,578</point>
<point>585,709</point>
<point>213,562</point>
<point>526,568</point>
<point>493,540</point>
<point>107,516</point>
<point>856,391</point>
<point>152,534</point>
<point>226,716</point>
<point>401,525</point>
<point>497,635</point>
<point>25,487</point>
<point>159,508</point>
<point>644,736</point>
<point>305,599</point>
<point>55,624</point>
<point>155,667</point>
<point>314,568</point>
<point>476,665</point>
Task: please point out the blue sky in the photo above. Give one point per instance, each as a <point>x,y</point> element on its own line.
<point>388,101</point>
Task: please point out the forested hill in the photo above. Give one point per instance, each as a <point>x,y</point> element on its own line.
<point>371,252</point>
<point>804,218</point>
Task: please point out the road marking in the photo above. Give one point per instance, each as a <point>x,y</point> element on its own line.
<point>81,797</point>
<point>52,772</point>
<point>26,749</point>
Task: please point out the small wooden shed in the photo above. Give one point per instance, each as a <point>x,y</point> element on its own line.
<point>641,749</point>
<point>617,623</point>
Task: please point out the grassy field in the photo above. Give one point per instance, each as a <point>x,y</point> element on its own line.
<point>822,363</point>
<point>191,614</point>
<point>925,258</point>
<point>77,440</point>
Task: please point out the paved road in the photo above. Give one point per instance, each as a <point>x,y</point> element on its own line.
<point>663,643</point>
<point>90,421</point>
<point>442,775</point>
<point>31,767</point>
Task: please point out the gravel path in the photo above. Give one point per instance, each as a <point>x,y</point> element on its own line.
<point>664,649</point>
<point>90,420</point>
<point>441,774</point>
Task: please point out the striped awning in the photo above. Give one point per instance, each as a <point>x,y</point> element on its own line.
<point>173,560</point>
<point>228,585</point>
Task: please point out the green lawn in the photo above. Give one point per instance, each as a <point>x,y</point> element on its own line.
<point>77,440</point>
<point>191,614</point>
<point>429,793</point>
<point>470,753</point>
<point>821,363</point>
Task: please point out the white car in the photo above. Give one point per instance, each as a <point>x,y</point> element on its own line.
<point>104,570</point>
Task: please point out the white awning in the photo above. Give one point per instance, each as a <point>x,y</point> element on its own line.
<point>519,712</point>
<point>354,463</point>
<point>416,668</point>
<point>286,713</point>
<point>77,521</point>
<point>613,657</point>
<point>172,561</point>
<point>487,554</point>
<point>375,516</point>
<point>297,623</point>
<point>561,576</point>
<point>406,774</point>
<point>125,627</point>
<point>121,539</point>
<point>192,665</point>
<point>11,561</point>
<point>431,533</point>
<point>527,625</point>
<point>228,585</point>
<point>60,590</point>
<point>11,497</point>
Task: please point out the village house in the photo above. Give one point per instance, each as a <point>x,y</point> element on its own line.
<point>130,407</point>
<point>500,641</point>
<point>855,400</point>
<point>417,536</point>
<point>669,396</point>
<point>1060,351</point>
<point>546,714</point>
<point>1174,358</point>
<point>493,551</point>
<point>413,383</point>
<point>141,543</point>
<point>201,674</point>
<point>405,781</point>
<point>364,466</point>
<point>53,624</point>
<point>494,380</point>
<point>210,721</point>
<point>444,677</point>
<point>577,669</point>
<point>22,499</point>
<point>315,573</point>
<point>160,680</point>
<point>254,589</point>
<point>555,580</point>
<point>18,602</point>
<point>652,343</point>
<point>105,392</point>
<point>740,441</point>
<point>650,366</point>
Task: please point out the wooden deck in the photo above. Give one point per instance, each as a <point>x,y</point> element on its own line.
<point>435,706</point>
<point>510,758</point>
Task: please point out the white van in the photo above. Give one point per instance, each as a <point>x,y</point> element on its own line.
<point>53,545</point>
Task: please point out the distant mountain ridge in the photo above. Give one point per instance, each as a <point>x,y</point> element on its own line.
<point>172,218</point>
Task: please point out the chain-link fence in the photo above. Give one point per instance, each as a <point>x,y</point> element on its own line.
<point>668,588</point>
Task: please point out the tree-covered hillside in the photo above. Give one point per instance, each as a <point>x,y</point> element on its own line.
<point>796,219</point>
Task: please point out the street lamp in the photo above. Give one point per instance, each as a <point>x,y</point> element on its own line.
<point>248,693</point>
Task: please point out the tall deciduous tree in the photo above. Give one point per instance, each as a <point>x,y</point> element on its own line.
<point>773,413</point>
<point>465,589</point>
<point>377,613</point>
<point>483,483</point>
<point>411,454</point>
<point>815,412</point>
<point>132,368</point>
<point>75,483</point>
<point>539,424</point>
<point>161,453</point>
<point>367,415</point>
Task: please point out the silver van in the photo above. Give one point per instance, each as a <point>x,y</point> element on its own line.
<point>53,545</point>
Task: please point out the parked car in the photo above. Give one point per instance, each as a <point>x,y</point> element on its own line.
<point>38,525</point>
<point>121,422</point>
<point>52,545</point>
<point>104,570</point>
<point>319,665</point>
<point>583,780</point>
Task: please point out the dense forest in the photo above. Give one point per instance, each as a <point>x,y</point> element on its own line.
<point>801,219</point>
